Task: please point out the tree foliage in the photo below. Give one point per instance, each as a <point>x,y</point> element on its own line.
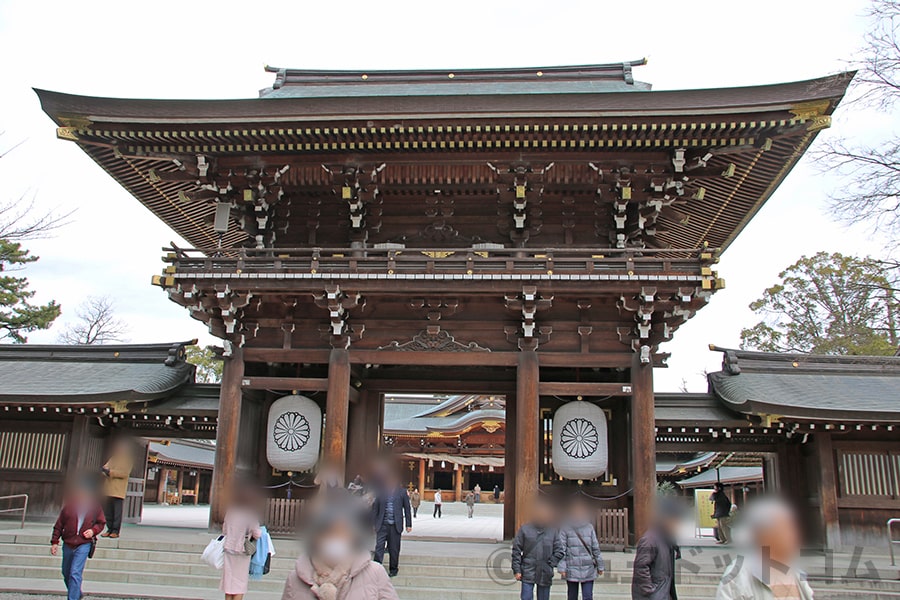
<point>18,223</point>
<point>18,316</point>
<point>96,323</point>
<point>870,173</point>
<point>827,304</point>
<point>209,366</point>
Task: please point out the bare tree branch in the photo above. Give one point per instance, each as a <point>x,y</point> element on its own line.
<point>97,324</point>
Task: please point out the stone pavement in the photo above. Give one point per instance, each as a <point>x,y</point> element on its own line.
<point>487,524</point>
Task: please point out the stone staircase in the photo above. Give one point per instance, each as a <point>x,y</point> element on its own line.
<point>169,566</point>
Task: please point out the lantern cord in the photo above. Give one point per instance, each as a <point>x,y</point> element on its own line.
<point>581,492</point>
<point>290,482</point>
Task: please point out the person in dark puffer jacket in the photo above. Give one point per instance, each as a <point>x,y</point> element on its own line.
<point>536,551</point>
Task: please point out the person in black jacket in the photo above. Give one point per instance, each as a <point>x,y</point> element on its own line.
<point>654,558</point>
<point>390,510</point>
<point>721,513</point>
<point>536,551</point>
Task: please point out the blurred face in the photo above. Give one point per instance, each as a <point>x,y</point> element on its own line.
<point>543,513</point>
<point>336,545</point>
<point>781,537</point>
<point>581,512</point>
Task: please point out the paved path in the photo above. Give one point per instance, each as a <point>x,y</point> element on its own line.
<point>487,524</point>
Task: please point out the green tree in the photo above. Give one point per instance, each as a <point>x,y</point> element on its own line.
<point>18,316</point>
<point>827,304</point>
<point>209,366</point>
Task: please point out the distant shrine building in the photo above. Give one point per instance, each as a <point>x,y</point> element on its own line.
<point>513,244</point>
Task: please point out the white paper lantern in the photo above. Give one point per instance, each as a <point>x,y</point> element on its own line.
<point>580,447</point>
<point>294,434</point>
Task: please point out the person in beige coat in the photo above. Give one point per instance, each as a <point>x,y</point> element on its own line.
<point>336,564</point>
<point>241,523</point>
<point>116,472</point>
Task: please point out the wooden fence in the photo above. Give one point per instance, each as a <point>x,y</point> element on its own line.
<point>282,515</point>
<point>612,528</point>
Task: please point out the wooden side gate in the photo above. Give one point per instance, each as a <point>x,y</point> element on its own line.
<point>612,528</point>
<point>282,515</point>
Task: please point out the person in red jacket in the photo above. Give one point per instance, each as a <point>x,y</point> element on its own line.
<point>80,521</point>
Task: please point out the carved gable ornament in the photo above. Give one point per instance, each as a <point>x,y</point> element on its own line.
<point>434,339</point>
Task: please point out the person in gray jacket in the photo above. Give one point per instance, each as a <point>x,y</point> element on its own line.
<point>582,562</point>
<point>536,551</point>
<point>653,577</point>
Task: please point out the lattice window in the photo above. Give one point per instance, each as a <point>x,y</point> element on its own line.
<point>869,473</point>
<point>32,451</point>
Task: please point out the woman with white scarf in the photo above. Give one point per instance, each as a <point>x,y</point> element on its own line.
<point>337,564</point>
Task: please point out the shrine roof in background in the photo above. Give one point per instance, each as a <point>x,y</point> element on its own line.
<point>84,375</point>
<point>806,386</point>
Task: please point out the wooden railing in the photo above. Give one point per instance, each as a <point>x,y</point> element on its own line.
<point>612,527</point>
<point>440,261</point>
<point>21,509</point>
<point>282,515</point>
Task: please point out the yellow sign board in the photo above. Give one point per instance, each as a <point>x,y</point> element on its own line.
<point>704,509</point>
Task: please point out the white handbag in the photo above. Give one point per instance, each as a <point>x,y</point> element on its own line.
<point>214,554</point>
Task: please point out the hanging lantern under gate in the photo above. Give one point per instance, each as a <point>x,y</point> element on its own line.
<point>580,444</point>
<point>294,434</point>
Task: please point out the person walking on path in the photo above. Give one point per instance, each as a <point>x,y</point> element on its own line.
<point>653,576</point>
<point>582,562</point>
<point>116,472</point>
<point>415,500</point>
<point>477,492</point>
<point>536,551</point>
<point>496,493</point>
<point>721,513</point>
<point>470,503</point>
<point>79,523</point>
<point>391,511</point>
<point>437,504</point>
<point>241,524</point>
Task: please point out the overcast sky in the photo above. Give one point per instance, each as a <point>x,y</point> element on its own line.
<point>217,49</point>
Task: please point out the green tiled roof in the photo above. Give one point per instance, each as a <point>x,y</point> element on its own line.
<point>845,388</point>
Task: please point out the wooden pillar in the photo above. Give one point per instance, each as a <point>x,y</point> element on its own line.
<point>828,504</point>
<point>361,444</point>
<point>179,485</point>
<point>643,445</point>
<point>162,480</point>
<point>227,435</point>
<point>422,476</point>
<point>458,482</point>
<point>527,427</point>
<point>197,488</point>
<point>509,470</point>
<point>78,441</point>
<point>337,409</point>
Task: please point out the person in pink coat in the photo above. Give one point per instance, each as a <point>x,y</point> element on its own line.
<point>336,564</point>
<point>241,523</point>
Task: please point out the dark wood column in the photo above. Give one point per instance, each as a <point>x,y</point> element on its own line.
<point>509,470</point>
<point>361,444</point>
<point>828,505</point>
<point>643,444</point>
<point>227,435</point>
<point>527,423</point>
<point>337,409</point>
